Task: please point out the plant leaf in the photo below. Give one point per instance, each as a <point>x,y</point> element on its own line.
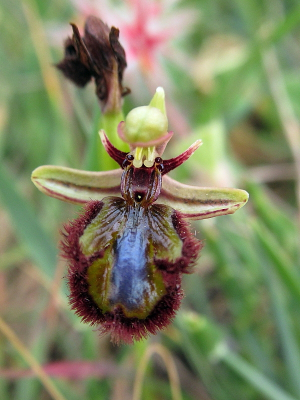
<point>39,245</point>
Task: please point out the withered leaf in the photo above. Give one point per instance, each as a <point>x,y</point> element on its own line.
<point>98,54</point>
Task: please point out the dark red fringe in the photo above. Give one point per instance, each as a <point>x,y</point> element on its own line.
<point>122,328</point>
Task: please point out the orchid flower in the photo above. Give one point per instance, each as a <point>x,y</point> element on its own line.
<point>149,30</point>
<point>148,27</point>
<point>128,250</point>
<point>97,54</point>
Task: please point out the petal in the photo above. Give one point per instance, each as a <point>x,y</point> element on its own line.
<point>173,163</point>
<point>75,186</point>
<point>125,266</point>
<point>117,155</point>
<point>199,202</point>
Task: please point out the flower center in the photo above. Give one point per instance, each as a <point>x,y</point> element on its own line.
<point>141,185</point>
<point>144,155</point>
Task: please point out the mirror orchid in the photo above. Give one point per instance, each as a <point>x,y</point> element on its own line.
<point>128,250</point>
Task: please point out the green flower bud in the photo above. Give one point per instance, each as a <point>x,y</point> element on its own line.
<point>145,124</point>
<point>146,130</point>
<point>158,100</point>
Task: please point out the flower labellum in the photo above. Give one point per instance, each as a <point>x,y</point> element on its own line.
<point>128,250</point>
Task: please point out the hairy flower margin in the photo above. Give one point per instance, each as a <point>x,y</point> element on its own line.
<point>129,248</point>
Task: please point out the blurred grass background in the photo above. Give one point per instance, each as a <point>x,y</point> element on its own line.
<point>232,78</point>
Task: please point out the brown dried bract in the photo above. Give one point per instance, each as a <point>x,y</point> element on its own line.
<point>99,55</point>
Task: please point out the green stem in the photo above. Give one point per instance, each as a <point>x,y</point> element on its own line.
<point>109,123</point>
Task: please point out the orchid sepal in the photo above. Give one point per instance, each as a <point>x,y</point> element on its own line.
<point>195,203</point>
<point>76,186</point>
<point>145,129</point>
<point>79,187</point>
<point>164,139</point>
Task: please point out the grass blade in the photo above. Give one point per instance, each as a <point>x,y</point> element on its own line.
<point>39,245</point>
